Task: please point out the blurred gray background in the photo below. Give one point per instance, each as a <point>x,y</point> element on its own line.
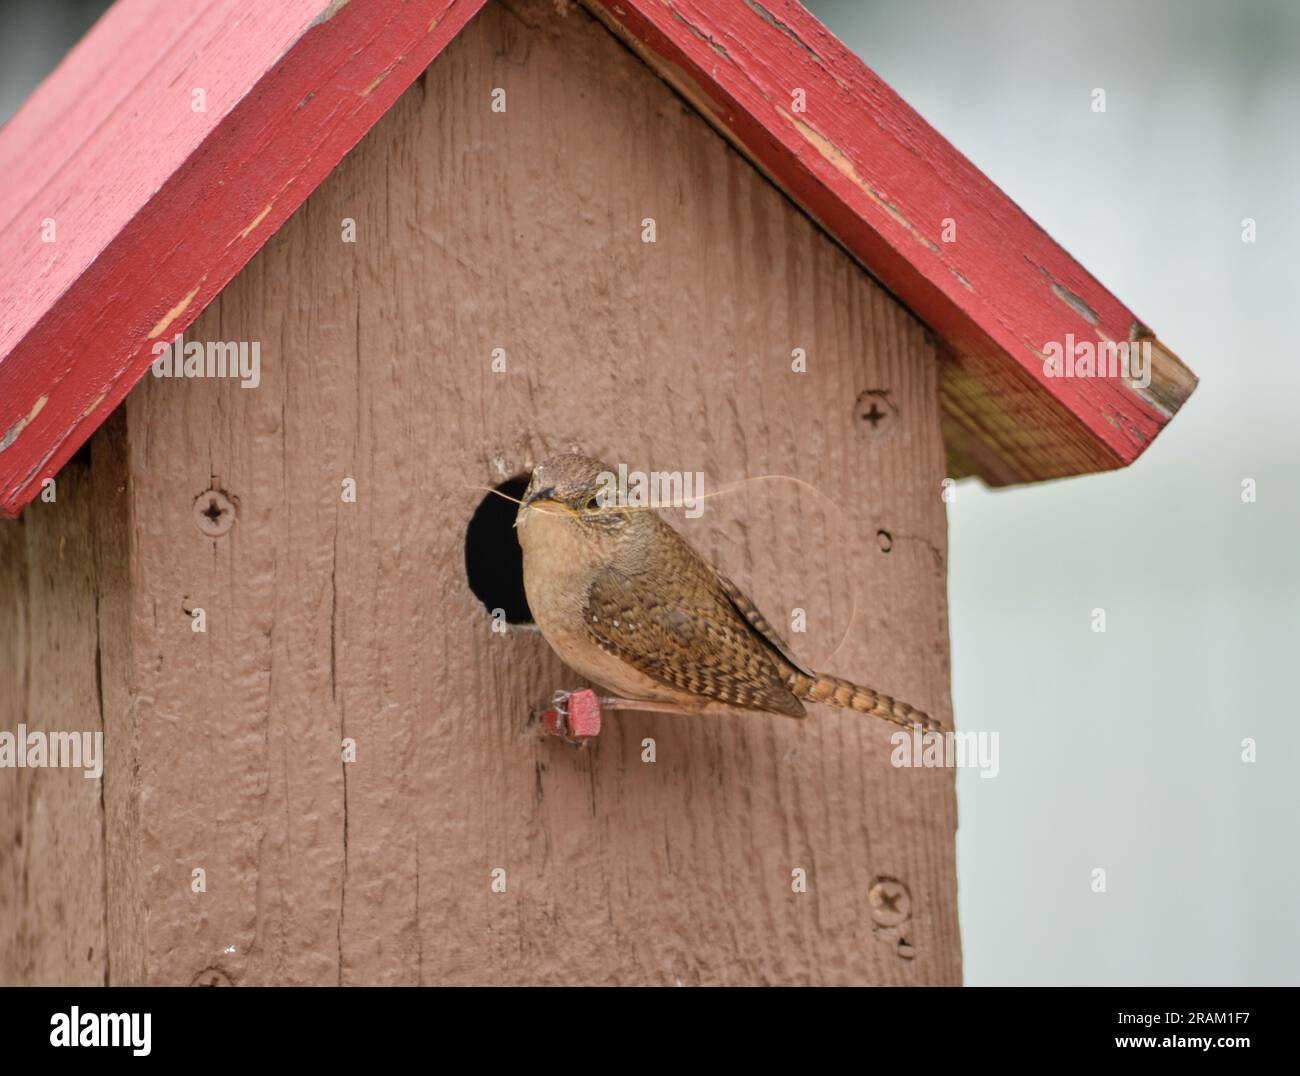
<point>34,35</point>
<point>1119,750</point>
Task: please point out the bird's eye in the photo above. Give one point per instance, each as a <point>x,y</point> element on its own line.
<point>592,505</point>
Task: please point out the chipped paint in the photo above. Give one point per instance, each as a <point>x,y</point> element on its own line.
<point>331,9</point>
<point>172,314</point>
<point>719,49</point>
<point>11,435</point>
<point>94,403</point>
<point>257,219</point>
<point>1171,381</point>
<point>844,166</point>
<point>1075,303</point>
<point>367,91</point>
<point>962,280</point>
<point>762,12</point>
<point>830,151</point>
<point>31,475</point>
<point>1069,298</point>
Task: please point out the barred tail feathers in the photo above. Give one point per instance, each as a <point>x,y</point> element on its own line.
<point>833,691</point>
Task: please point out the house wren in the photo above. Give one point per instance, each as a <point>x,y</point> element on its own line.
<point>626,602</point>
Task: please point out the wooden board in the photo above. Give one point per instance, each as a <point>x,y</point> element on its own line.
<point>478,230</point>
<point>52,867</point>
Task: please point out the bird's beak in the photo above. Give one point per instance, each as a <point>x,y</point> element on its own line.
<point>529,498</point>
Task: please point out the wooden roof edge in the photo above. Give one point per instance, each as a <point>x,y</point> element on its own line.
<point>920,218</point>
<point>991,285</point>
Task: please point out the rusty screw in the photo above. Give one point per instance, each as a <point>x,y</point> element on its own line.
<point>214,513</point>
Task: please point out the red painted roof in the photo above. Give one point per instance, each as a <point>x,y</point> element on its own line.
<point>155,206</point>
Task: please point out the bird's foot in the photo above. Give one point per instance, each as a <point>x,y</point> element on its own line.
<point>574,716</point>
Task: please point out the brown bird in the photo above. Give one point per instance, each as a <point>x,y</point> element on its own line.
<point>626,602</point>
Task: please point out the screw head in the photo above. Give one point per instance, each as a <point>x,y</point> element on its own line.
<point>891,903</point>
<point>874,414</point>
<point>214,513</point>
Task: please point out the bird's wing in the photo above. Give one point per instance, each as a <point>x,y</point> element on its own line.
<point>759,623</point>
<point>694,638</point>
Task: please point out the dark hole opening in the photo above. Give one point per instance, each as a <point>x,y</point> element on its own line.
<point>494,562</point>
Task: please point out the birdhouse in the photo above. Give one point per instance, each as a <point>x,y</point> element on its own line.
<point>295,297</point>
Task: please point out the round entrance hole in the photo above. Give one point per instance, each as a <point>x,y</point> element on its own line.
<point>494,563</point>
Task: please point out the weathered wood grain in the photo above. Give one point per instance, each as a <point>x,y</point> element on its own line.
<point>126,806</point>
<point>52,881</point>
<point>15,959</point>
